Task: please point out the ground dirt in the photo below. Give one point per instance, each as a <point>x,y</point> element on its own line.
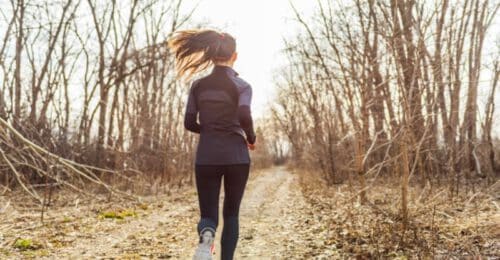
<point>284,215</point>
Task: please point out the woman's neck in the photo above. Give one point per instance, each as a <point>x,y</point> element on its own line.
<point>225,63</point>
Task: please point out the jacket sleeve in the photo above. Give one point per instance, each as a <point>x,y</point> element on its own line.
<point>191,114</point>
<point>245,114</point>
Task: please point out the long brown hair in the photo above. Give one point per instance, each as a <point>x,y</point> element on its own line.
<point>195,50</point>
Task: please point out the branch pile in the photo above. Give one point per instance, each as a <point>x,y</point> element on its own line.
<point>22,160</point>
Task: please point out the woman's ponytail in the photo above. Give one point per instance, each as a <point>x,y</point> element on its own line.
<point>195,50</point>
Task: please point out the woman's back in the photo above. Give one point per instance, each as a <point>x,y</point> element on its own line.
<point>217,98</point>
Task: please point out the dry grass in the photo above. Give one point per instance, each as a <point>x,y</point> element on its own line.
<point>438,225</point>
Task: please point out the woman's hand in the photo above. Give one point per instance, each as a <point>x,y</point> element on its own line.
<point>251,146</point>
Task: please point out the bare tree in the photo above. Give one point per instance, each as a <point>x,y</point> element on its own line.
<point>92,82</point>
<point>377,85</point>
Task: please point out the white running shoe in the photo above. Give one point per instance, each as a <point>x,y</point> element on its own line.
<point>206,247</point>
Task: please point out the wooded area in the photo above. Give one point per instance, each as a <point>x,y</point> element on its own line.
<point>393,88</point>
<point>385,117</point>
<point>91,82</point>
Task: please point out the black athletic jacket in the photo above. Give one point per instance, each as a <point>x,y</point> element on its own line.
<point>222,102</point>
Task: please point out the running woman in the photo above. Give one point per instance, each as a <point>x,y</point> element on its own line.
<point>221,100</point>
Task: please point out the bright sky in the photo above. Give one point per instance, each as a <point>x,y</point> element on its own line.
<point>259,27</point>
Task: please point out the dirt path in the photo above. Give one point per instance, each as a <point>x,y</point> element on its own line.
<point>267,216</point>
<point>164,227</point>
<point>277,221</point>
<point>265,224</point>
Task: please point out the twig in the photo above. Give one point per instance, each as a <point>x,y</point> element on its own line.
<point>18,177</point>
<point>39,153</point>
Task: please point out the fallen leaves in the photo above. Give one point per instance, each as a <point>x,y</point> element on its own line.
<point>437,227</point>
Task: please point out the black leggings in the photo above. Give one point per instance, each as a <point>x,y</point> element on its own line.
<point>208,182</point>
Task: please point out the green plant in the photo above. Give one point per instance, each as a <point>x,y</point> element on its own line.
<point>26,244</point>
<point>117,214</point>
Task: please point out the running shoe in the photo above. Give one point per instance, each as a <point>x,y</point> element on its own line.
<point>206,246</point>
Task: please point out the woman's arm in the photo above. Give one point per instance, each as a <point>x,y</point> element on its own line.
<point>190,123</point>
<point>245,114</point>
<point>190,117</point>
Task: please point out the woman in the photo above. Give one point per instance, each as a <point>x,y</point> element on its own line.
<point>222,102</point>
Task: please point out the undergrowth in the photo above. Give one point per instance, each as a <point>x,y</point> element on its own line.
<point>438,225</point>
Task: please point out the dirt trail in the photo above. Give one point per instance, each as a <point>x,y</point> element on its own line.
<point>277,221</point>
<point>265,233</point>
<point>166,227</point>
<point>267,216</point>
<point>127,238</point>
